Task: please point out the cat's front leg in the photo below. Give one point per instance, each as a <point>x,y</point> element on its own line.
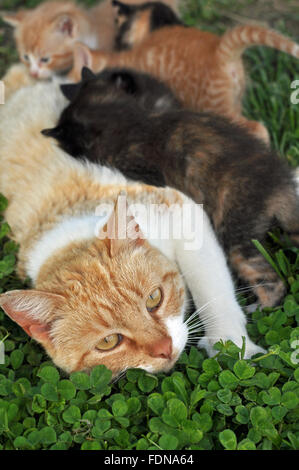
<point>203,265</point>
<point>17,77</point>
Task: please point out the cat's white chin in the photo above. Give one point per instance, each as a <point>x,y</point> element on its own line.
<point>164,368</point>
<point>43,74</point>
<point>178,332</point>
<point>250,348</point>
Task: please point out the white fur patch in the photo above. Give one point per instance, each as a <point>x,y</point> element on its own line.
<point>178,332</point>
<point>71,229</point>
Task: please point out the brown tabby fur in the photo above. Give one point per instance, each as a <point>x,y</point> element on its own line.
<point>204,71</point>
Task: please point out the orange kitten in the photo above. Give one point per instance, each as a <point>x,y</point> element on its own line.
<point>46,35</point>
<point>204,71</point>
<point>114,301</point>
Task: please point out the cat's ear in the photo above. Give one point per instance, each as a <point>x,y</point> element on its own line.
<point>54,132</point>
<point>124,81</point>
<point>82,57</point>
<point>70,90</point>
<point>121,229</point>
<point>87,74</point>
<point>66,25</point>
<point>14,19</point>
<point>33,310</point>
<point>123,8</point>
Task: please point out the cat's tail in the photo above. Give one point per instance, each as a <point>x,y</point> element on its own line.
<point>234,42</point>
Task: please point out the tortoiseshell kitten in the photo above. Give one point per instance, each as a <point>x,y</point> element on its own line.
<point>151,16</point>
<point>244,186</point>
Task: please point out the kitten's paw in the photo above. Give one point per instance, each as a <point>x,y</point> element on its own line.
<point>17,77</point>
<point>250,348</point>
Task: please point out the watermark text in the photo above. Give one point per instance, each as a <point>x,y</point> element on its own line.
<point>151,221</point>
<point>295,94</point>
<point>2,92</point>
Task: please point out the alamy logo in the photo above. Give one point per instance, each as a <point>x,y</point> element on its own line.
<point>2,352</point>
<point>2,92</point>
<point>295,354</point>
<point>158,222</point>
<point>295,94</point>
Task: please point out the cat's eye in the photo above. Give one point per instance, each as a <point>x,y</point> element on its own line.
<point>154,300</point>
<point>45,60</point>
<point>110,342</point>
<point>26,57</point>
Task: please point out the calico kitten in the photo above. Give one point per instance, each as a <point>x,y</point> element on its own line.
<point>46,35</point>
<point>149,17</point>
<point>244,186</point>
<point>204,71</point>
<point>117,301</point>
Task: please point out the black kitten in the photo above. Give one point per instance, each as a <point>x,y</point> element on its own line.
<point>149,94</point>
<point>246,188</point>
<point>160,15</point>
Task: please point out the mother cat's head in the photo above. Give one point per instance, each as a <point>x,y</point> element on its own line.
<point>117,302</point>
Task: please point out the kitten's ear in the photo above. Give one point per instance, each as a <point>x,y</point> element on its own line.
<point>55,132</point>
<point>124,81</point>
<point>33,310</point>
<point>82,58</point>
<point>14,19</point>
<point>66,25</point>
<point>123,8</point>
<point>70,90</point>
<point>121,229</point>
<point>87,74</point>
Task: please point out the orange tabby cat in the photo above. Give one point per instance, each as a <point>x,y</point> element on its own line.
<point>114,301</point>
<point>45,36</point>
<point>205,71</point>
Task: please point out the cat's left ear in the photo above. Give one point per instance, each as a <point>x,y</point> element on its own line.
<point>87,74</point>
<point>15,19</point>
<point>121,229</point>
<point>124,81</point>
<point>33,310</point>
<point>123,8</point>
<point>55,132</point>
<point>70,90</point>
<point>66,25</point>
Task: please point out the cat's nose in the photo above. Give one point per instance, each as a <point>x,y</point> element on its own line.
<point>34,73</point>
<point>162,349</point>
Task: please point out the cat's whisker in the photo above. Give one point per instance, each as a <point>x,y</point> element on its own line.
<point>238,289</point>
<point>195,331</point>
<point>119,376</point>
<point>205,318</point>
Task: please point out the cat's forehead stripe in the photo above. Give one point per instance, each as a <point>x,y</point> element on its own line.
<point>169,276</point>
